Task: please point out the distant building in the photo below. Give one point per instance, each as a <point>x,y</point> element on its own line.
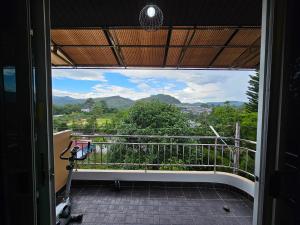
<point>193,109</point>
<point>57,115</point>
<point>86,110</point>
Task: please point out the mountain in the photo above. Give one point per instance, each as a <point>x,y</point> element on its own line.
<point>162,98</point>
<point>116,102</point>
<point>58,100</point>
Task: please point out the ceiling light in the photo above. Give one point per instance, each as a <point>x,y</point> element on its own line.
<point>151,17</point>
<point>151,11</point>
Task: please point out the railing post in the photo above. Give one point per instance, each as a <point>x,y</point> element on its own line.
<point>236,158</point>
<point>215,156</point>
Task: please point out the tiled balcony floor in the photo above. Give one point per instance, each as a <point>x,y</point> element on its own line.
<point>161,203</point>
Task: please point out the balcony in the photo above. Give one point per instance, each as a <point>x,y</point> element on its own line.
<point>164,179</point>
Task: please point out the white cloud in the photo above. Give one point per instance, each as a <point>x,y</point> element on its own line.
<point>186,85</point>
<point>79,74</point>
<point>73,94</point>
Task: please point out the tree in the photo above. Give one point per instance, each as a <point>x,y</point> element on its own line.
<point>154,117</point>
<point>223,119</point>
<point>97,109</point>
<point>91,124</point>
<point>150,118</point>
<point>252,93</point>
<point>89,103</point>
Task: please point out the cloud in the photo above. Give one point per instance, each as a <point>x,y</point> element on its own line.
<point>186,85</point>
<point>79,74</point>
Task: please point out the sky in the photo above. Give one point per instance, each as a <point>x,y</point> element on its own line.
<point>188,86</point>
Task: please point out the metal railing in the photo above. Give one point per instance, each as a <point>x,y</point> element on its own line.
<point>153,152</point>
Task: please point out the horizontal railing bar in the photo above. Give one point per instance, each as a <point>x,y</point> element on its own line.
<point>154,164</point>
<point>247,149</point>
<point>155,143</point>
<point>159,136</point>
<point>248,141</point>
<point>151,136</point>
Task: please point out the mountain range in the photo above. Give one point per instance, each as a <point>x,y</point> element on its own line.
<point>119,102</point>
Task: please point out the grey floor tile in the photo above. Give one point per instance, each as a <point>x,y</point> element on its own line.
<point>160,203</point>
<point>209,193</point>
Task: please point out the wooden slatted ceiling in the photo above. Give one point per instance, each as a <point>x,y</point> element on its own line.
<point>173,56</point>
<point>199,48</point>
<point>198,57</point>
<point>143,56</point>
<point>140,37</point>
<point>179,36</point>
<point>79,37</point>
<point>212,37</point>
<point>91,56</point>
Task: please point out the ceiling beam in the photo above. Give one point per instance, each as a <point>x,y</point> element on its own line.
<point>187,42</point>
<point>162,28</point>
<point>167,46</point>
<point>244,56</point>
<point>159,46</point>
<point>254,46</point>
<point>64,56</point>
<point>115,47</point>
<point>222,49</point>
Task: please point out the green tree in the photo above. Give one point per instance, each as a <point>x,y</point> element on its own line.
<point>252,93</point>
<point>97,110</point>
<point>149,118</point>
<point>249,125</point>
<point>89,103</point>
<point>154,117</point>
<point>59,124</point>
<point>223,119</point>
<point>91,124</point>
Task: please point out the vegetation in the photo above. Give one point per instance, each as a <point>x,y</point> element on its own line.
<point>252,93</point>
<point>152,116</point>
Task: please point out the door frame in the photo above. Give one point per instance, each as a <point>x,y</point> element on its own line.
<point>269,109</point>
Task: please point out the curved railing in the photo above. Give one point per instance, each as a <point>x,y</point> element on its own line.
<point>154,152</point>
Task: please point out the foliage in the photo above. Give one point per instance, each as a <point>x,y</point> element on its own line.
<point>153,117</point>
<point>223,119</point>
<point>252,93</point>
<point>157,118</point>
<point>89,103</point>
<point>66,109</point>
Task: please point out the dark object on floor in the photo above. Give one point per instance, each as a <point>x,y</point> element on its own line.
<point>226,208</point>
<point>76,219</point>
<point>117,185</point>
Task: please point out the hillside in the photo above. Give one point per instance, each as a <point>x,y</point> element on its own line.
<point>58,100</point>
<point>162,98</point>
<point>116,102</point>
